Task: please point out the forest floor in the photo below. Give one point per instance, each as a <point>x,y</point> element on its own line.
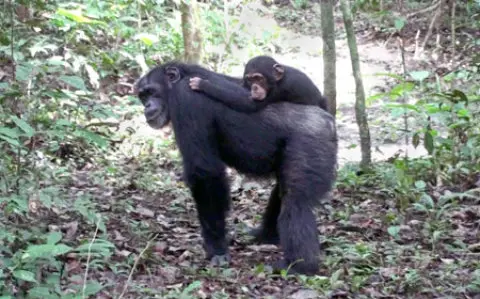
<point>371,248</point>
<point>300,45</point>
<point>361,258</point>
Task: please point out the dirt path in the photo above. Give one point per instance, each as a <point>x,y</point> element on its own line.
<point>305,53</point>
<point>361,258</point>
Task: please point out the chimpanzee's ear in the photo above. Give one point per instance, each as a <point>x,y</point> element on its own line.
<point>278,71</point>
<point>173,74</point>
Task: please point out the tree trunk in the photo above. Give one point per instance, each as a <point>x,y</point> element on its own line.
<point>329,55</point>
<point>360,111</point>
<point>192,37</point>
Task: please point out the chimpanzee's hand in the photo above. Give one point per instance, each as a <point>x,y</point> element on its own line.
<point>195,83</point>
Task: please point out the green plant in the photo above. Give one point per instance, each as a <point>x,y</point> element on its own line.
<point>26,268</point>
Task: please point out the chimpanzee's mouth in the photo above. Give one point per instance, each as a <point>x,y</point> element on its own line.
<point>155,117</point>
<point>159,119</point>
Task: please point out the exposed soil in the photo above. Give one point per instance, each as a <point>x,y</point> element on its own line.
<point>149,211</point>
<point>305,52</point>
<point>362,260</point>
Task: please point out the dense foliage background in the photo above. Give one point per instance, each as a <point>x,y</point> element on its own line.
<point>92,201</point>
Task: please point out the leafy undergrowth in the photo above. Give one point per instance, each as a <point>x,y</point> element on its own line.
<point>129,227</point>
<point>92,213</point>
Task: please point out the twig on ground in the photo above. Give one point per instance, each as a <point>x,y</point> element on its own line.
<point>135,266</point>
<point>433,23</point>
<point>98,124</point>
<point>430,8</point>
<point>88,260</point>
<point>454,6</point>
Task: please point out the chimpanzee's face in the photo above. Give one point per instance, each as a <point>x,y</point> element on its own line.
<point>258,84</point>
<point>153,93</point>
<point>153,90</point>
<point>262,75</point>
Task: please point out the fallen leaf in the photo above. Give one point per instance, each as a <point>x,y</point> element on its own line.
<point>71,229</point>
<point>118,236</point>
<point>160,247</point>
<point>145,212</point>
<point>186,254</point>
<point>124,253</point>
<point>304,294</point>
<point>169,273</point>
<point>474,247</point>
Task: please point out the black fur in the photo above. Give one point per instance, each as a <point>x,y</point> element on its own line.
<point>297,143</point>
<point>295,87</point>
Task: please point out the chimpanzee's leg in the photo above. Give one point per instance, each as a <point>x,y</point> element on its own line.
<point>308,174</point>
<point>298,235</point>
<point>212,198</point>
<point>267,233</point>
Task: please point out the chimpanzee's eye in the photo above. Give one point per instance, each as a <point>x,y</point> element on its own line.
<point>255,78</point>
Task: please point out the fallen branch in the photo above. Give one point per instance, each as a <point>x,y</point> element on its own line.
<point>99,124</point>
<point>454,6</point>
<point>433,7</point>
<point>433,22</point>
<point>437,15</point>
<point>135,266</point>
<point>89,254</point>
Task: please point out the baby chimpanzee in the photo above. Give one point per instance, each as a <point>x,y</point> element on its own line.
<point>265,81</point>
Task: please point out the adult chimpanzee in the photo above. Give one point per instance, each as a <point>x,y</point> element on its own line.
<point>297,143</point>
<point>265,81</point>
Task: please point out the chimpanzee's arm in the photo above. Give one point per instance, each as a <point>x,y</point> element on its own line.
<point>231,94</point>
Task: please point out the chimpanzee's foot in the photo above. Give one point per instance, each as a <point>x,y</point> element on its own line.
<point>295,268</point>
<point>220,260</point>
<point>217,253</point>
<point>263,236</point>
